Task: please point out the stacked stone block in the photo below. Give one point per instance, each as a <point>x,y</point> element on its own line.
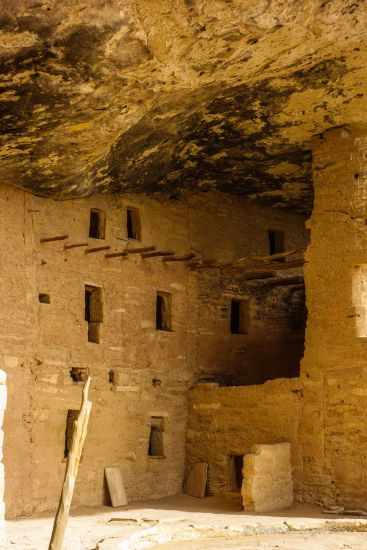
<point>267,478</point>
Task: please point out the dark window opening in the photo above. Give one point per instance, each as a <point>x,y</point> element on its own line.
<point>97,224</point>
<point>112,377</point>
<point>93,312</point>
<point>163,311</point>
<point>71,418</point>
<point>79,374</point>
<point>94,333</point>
<point>44,298</point>
<point>236,475</point>
<point>239,316</point>
<point>276,242</point>
<point>133,225</point>
<point>156,437</point>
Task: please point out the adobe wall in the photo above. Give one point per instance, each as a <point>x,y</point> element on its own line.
<point>226,421</point>
<point>41,342</point>
<point>333,429</point>
<point>325,419</point>
<point>274,344</point>
<point>272,347</point>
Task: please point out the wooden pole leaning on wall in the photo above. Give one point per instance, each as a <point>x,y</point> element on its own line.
<point>79,435</point>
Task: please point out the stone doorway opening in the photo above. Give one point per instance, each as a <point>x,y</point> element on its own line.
<point>236,474</point>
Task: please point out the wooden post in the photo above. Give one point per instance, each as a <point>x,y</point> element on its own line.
<point>140,250</point>
<point>279,281</point>
<point>96,249</point>
<point>185,258</point>
<point>158,253</point>
<point>79,435</point>
<point>52,239</point>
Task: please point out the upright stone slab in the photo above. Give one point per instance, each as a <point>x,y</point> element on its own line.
<point>267,478</point>
<point>116,486</point>
<point>197,480</point>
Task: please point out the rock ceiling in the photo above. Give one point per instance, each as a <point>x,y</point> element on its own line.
<point>174,95</point>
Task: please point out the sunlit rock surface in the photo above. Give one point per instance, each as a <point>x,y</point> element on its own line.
<point>174,95</point>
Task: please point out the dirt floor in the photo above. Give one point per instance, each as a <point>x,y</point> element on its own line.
<point>185,523</point>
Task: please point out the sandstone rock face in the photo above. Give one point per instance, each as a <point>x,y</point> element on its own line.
<point>169,95</point>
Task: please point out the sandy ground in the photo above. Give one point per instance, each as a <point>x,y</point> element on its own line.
<point>185,523</point>
<point>291,541</point>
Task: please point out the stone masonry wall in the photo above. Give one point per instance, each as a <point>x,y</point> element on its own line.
<point>323,417</point>
<point>258,355</point>
<point>229,421</point>
<point>153,369</point>
<point>271,348</point>
<point>333,433</point>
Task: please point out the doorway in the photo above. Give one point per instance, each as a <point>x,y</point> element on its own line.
<point>236,475</point>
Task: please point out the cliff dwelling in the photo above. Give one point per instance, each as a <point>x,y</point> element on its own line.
<point>183,197</point>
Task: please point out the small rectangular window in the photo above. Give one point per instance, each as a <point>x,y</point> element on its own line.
<point>93,312</point>
<point>239,316</point>
<point>133,226</point>
<point>276,242</point>
<point>163,311</point>
<point>156,447</point>
<point>97,224</point>
<point>72,416</point>
<point>79,374</point>
<point>44,298</point>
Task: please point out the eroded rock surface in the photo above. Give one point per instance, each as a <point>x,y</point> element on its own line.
<point>170,95</point>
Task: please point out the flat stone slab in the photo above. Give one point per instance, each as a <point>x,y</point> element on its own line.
<point>197,480</point>
<point>116,486</point>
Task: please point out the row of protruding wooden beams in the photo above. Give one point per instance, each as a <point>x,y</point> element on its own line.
<point>252,267</point>
<point>146,252</point>
<point>255,267</point>
<point>292,280</point>
<point>265,270</point>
